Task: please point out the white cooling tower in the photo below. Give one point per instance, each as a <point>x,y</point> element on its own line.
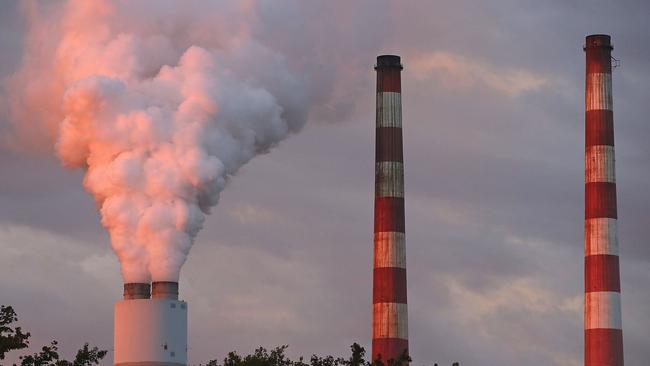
<point>150,332</point>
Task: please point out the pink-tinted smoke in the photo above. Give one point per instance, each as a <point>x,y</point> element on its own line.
<point>152,101</point>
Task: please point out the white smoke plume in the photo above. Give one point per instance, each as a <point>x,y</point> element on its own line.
<point>159,105</point>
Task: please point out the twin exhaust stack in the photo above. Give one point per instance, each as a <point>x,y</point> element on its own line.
<point>151,326</point>
<point>157,290</point>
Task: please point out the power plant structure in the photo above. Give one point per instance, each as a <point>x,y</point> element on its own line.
<point>151,322</point>
<point>150,326</point>
<point>389,305</point>
<point>602,317</point>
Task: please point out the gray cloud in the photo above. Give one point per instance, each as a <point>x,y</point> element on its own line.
<point>493,182</point>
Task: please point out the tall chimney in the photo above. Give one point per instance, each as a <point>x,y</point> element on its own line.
<point>603,330</point>
<point>389,310</point>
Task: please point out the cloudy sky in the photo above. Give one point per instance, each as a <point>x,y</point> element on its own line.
<point>494,143</point>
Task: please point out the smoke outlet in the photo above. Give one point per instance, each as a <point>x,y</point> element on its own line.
<point>598,41</point>
<point>133,291</point>
<point>388,62</point>
<point>164,290</point>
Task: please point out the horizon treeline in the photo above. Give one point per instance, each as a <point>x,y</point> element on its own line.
<point>14,338</point>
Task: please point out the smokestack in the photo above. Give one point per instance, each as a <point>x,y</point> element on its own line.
<point>150,331</point>
<point>389,310</point>
<point>165,290</point>
<point>603,329</point>
<point>134,291</point>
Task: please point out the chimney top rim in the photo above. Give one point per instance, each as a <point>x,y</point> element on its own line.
<point>598,41</point>
<point>388,61</point>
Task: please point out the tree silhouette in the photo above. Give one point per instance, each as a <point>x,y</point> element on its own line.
<point>12,339</point>
<point>276,357</point>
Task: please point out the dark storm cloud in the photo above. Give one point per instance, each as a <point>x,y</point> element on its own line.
<point>493,123</point>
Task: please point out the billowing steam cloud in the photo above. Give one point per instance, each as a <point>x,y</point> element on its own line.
<point>158,108</point>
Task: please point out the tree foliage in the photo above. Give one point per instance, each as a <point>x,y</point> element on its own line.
<point>277,357</point>
<point>12,339</point>
<point>49,355</point>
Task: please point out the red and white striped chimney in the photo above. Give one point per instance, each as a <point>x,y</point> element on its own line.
<point>389,313</point>
<point>603,330</point>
